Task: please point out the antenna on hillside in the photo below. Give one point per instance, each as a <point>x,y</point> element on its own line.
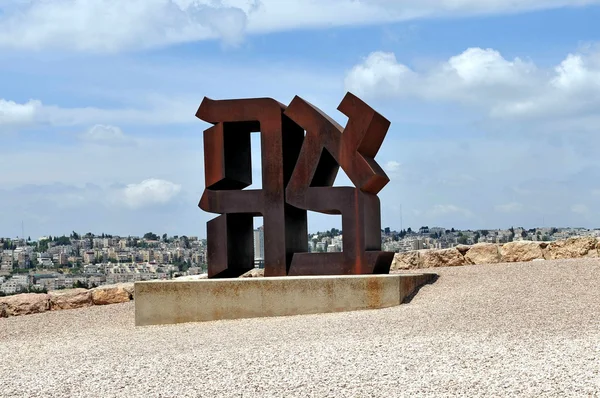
<point>400,217</point>
<point>22,230</point>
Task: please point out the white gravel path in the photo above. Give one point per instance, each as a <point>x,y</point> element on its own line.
<point>525,329</point>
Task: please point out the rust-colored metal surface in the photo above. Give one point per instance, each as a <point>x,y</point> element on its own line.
<point>298,172</point>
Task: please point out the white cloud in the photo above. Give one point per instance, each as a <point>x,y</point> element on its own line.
<point>442,210</point>
<point>158,111</point>
<point>58,208</point>
<point>456,180</point>
<point>106,135</point>
<point>13,114</point>
<point>511,207</point>
<point>114,25</point>
<point>580,209</point>
<point>392,166</point>
<point>149,192</point>
<point>483,78</point>
<point>150,94</point>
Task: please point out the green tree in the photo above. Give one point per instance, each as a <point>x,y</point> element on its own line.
<point>42,246</point>
<point>63,241</point>
<point>186,242</point>
<point>511,235</point>
<point>150,236</point>
<point>80,285</point>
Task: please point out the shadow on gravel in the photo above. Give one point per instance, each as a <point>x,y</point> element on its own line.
<point>432,279</point>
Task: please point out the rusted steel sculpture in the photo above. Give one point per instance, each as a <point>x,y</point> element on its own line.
<point>298,172</point>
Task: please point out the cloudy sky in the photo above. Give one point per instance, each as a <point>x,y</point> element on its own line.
<point>494,104</point>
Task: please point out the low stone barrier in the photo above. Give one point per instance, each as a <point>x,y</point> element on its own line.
<point>161,302</point>
<point>490,253</point>
<point>34,303</point>
<point>481,253</point>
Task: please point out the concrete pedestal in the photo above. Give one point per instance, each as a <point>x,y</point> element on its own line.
<point>168,302</point>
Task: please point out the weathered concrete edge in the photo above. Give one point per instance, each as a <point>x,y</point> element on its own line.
<point>172,301</point>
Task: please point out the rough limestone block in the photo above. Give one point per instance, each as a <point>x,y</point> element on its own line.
<point>521,251</point>
<point>571,248</point>
<point>442,258</point>
<point>406,260</point>
<point>483,253</point>
<point>69,299</point>
<point>112,294</point>
<point>24,304</point>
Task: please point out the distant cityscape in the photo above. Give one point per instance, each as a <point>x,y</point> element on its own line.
<point>54,263</point>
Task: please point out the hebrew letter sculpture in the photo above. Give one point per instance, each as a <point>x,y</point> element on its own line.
<point>298,175</point>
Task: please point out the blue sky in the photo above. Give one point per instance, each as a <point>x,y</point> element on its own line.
<point>494,105</point>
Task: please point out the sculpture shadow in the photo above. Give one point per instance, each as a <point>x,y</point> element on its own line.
<point>433,278</point>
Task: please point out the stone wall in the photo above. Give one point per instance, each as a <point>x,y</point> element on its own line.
<point>33,303</point>
<point>489,253</point>
<point>481,253</point>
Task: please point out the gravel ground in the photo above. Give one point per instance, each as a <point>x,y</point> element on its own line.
<point>521,329</point>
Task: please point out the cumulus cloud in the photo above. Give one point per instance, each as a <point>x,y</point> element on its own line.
<point>13,114</point>
<point>504,88</point>
<point>114,25</point>
<point>149,192</point>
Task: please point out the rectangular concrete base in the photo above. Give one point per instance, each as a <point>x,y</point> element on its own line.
<point>168,302</point>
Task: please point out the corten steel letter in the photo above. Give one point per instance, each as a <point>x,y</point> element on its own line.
<point>326,147</point>
<point>227,162</point>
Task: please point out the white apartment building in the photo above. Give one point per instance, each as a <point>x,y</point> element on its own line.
<point>259,243</point>
<point>15,284</point>
<point>332,248</point>
<point>10,287</point>
<point>6,260</point>
<point>22,279</point>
